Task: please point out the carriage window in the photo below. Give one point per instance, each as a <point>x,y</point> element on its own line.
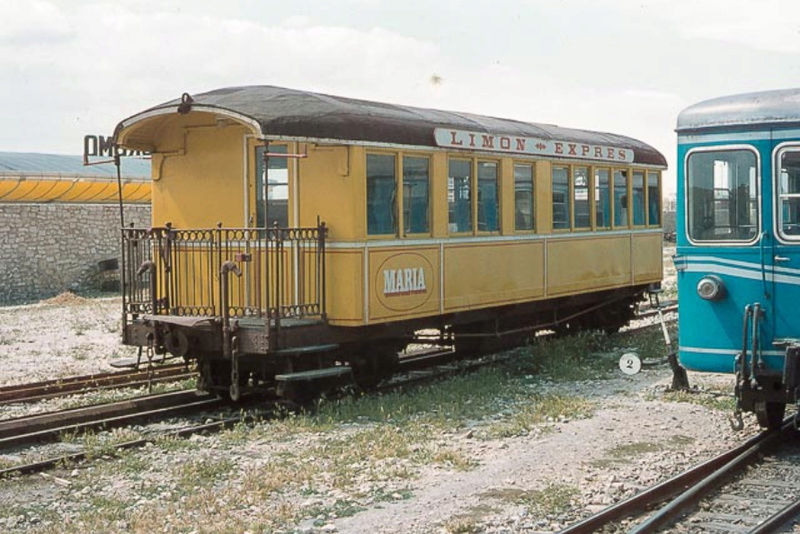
<point>580,188</point>
<point>381,195</point>
<point>459,187</point>
<point>722,202</point>
<point>653,199</point>
<point>789,193</point>
<point>277,190</point>
<point>621,200</point>
<point>638,198</point>
<point>415,195</point>
<point>488,204</point>
<point>523,197</point>
<point>560,198</point>
<point>602,198</point>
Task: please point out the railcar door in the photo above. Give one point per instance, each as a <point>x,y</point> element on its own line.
<point>786,243</point>
<point>272,187</point>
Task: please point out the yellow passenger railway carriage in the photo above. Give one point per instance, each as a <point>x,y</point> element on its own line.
<point>299,235</point>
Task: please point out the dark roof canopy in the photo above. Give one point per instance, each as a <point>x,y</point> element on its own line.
<point>303,114</point>
<point>764,109</point>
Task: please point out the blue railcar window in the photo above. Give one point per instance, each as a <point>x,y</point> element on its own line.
<point>277,190</point>
<point>488,200</point>
<point>621,200</point>
<point>523,197</point>
<point>561,213</point>
<point>580,196</point>
<point>381,195</point>
<point>722,195</point>
<point>653,199</point>
<point>459,189</point>
<point>415,194</point>
<point>602,198</point>
<point>789,193</point>
<point>638,198</point>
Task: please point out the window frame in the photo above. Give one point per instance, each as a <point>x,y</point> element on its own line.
<point>473,203</point>
<point>553,228</point>
<point>589,198</point>
<point>532,166</point>
<point>613,195</point>
<point>401,187</point>
<point>659,175</point>
<point>777,212</point>
<point>610,185</point>
<point>632,207</point>
<point>498,181</point>
<point>759,210</point>
<point>397,202</point>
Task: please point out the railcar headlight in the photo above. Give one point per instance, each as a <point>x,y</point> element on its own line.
<point>711,288</point>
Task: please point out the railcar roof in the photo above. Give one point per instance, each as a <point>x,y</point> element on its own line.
<point>303,114</point>
<point>749,110</point>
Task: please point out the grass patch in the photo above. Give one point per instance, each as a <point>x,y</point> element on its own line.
<point>628,451</point>
<point>203,473</point>
<point>554,499</point>
<point>535,410</point>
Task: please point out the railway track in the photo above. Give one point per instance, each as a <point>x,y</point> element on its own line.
<point>37,391</point>
<point>421,366</point>
<point>749,489</point>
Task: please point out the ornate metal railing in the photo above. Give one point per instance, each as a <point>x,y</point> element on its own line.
<point>274,273</point>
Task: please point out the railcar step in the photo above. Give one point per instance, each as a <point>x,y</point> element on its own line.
<point>314,374</point>
<point>306,349</point>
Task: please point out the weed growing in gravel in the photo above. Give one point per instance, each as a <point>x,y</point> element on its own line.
<point>534,410</point>
<point>203,472</point>
<point>103,444</point>
<point>712,400</point>
<point>552,500</point>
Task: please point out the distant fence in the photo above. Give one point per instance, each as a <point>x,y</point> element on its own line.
<point>46,249</point>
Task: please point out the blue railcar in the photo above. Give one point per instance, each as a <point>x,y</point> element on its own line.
<point>738,245</point>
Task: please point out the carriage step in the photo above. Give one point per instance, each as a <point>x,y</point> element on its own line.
<point>315,374</point>
<point>306,349</point>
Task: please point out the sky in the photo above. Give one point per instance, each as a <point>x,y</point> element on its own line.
<point>70,68</point>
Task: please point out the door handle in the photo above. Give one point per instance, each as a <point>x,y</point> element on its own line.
<point>781,259</point>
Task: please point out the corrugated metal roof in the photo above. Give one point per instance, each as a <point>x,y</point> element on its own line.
<point>35,164</point>
<point>305,115</point>
<point>779,108</point>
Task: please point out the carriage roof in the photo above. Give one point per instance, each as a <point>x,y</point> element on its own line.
<point>289,113</point>
<point>779,108</point>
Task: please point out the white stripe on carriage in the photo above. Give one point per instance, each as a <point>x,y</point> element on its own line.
<point>757,266</point>
<point>727,352</point>
<point>741,273</point>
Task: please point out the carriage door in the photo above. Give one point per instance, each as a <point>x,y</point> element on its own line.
<point>786,248</point>
<point>272,187</point>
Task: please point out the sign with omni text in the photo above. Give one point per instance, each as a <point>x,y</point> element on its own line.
<point>534,146</point>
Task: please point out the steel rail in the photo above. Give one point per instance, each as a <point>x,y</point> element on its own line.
<point>707,472</point>
<point>50,425</point>
<point>44,465</point>
<point>779,519</point>
<point>81,384</point>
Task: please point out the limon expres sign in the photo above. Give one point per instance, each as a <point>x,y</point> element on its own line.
<point>449,138</point>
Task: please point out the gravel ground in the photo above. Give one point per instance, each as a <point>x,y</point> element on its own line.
<point>360,473</point>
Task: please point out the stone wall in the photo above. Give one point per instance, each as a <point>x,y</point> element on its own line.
<point>46,249</point>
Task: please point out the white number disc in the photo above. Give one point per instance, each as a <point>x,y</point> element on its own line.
<point>630,364</point>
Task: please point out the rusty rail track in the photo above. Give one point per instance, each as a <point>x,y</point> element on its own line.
<point>683,492</point>
<point>51,425</point>
<point>37,391</point>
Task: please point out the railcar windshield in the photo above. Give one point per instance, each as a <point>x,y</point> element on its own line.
<point>789,193</point>
<point>722,195</point>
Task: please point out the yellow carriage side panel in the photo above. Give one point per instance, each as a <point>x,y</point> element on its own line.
<point>345,286</point>
<point>492,274</point>
<point>403,283</point>
<point>647,261</point>
<point>327,189</point>
<point>588,264</point>
<point>198,173</point>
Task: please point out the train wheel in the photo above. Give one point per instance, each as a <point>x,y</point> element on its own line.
<point>770,414</point>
